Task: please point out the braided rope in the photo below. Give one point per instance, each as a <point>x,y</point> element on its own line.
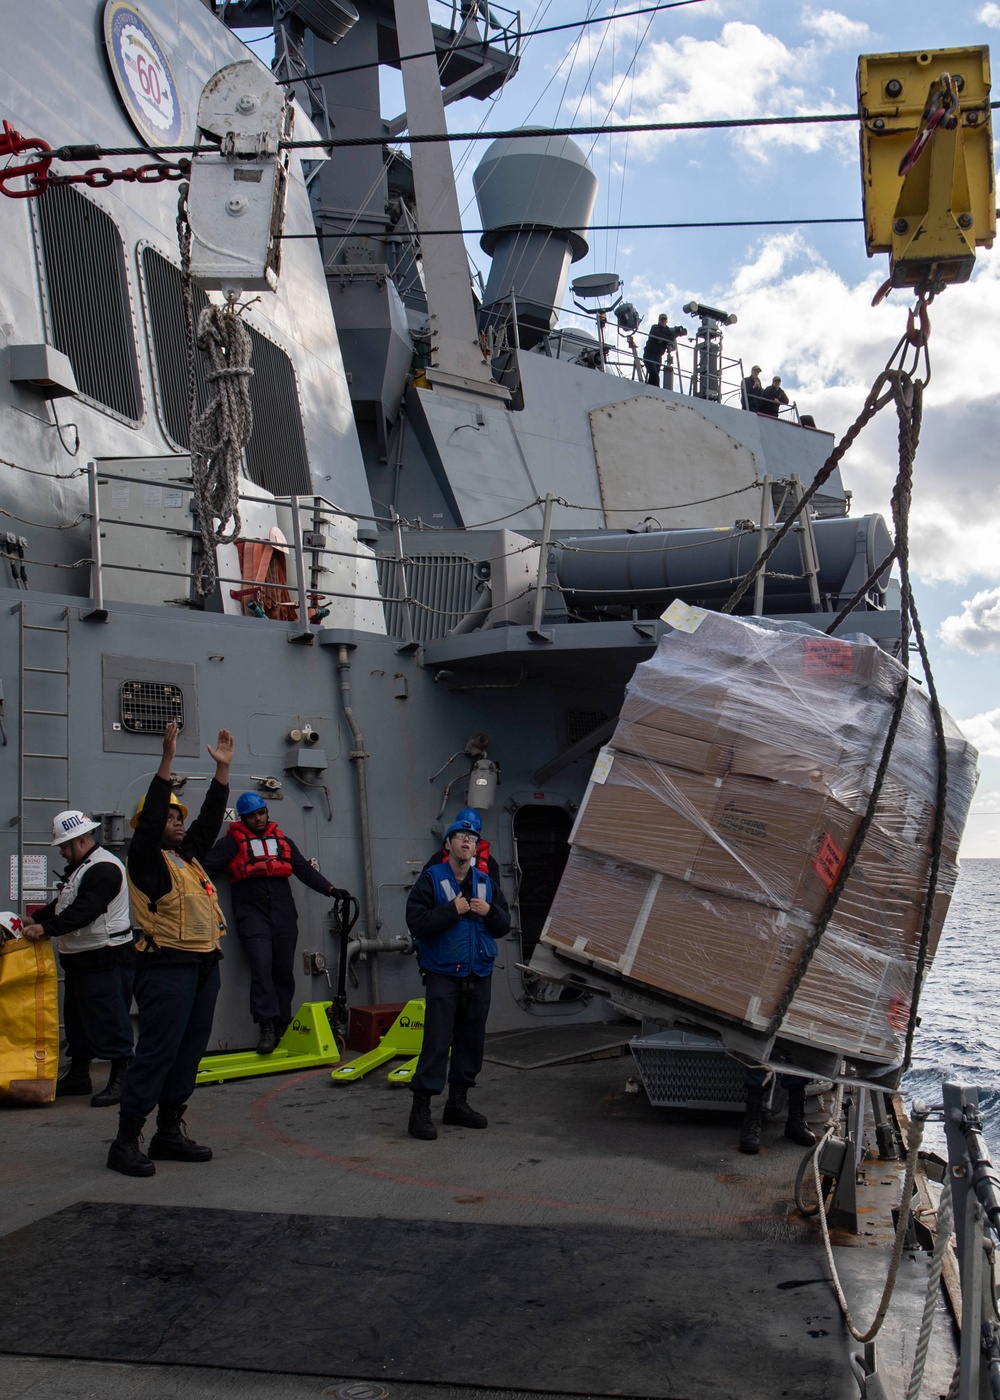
<point>220,433</point>
<point>222,430</point>
<point>941,1243</point>
<point>916,1137</point>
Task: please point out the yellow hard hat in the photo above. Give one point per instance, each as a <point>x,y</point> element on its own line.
<point>174,802</point>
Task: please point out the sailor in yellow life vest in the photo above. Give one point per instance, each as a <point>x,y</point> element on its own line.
<point>176,913</point>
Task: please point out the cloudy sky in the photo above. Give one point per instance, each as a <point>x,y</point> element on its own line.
<point>802,295</point>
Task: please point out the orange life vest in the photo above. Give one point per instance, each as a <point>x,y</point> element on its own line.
<point>266,854</point>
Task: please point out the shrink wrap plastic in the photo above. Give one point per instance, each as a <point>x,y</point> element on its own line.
<point>720,815</point>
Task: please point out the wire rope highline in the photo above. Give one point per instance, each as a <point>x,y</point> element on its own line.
<point>623,228</point>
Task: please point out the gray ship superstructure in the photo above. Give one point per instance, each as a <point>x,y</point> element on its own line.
<point>481,513</point>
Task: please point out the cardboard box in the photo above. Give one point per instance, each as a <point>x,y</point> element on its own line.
<point>730,955</point>
<point>719,819</point>
<point>673,750</point>
<point>741,837</point>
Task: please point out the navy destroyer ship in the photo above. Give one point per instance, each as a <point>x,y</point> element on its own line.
<point>460,523</point>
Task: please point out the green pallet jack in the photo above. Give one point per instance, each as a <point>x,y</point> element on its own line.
<point>404,1037</point>
<point>308,1041</point>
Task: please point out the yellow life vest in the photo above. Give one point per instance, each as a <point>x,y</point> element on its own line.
<point>187,917</point>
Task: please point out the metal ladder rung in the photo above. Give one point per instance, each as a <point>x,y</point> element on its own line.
<point>59,714</point>
<point>57,757</point>
<point>40,627</point>
<point>44,799</point>
<point>46,671</point>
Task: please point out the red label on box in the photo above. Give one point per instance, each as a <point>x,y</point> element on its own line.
<point>822,656</point>
<point>829,861</point>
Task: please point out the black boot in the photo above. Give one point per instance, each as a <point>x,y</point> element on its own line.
<point>112,1091</point>
<point>796,1127</point>
<point>280,1026</point>
<point>420,1125</point>
<point>459,1113</point>
<point>268,1040</point>
<point>750,1127</point>
<point>76,1080</point>
<point>125,1154</point>
<point>170,1143</point>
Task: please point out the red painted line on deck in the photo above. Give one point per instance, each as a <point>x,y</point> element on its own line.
<point>260,1108</point>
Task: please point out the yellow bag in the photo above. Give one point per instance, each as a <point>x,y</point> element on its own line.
<point>29,1022</point>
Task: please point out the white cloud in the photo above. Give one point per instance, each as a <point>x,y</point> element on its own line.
<point>990,16</point>
<point>977,627</point>
<point>836,28</point>
<point>801,319</point>
<point>742,73</point>
<point>983,731</point>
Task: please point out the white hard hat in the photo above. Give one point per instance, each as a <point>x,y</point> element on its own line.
<point>11,923</point>
<point>69,824</point>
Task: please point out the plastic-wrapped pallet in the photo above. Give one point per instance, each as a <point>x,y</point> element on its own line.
<point>719,817</point>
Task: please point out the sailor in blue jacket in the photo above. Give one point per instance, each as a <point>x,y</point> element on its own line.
<point>454,913</point>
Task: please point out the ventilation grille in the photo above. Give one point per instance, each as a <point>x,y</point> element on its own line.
<point>580,723</point>
<point>443,587</point>
<point>276,453</point>
<point>689,1077</point>
<point>165,300</point>
<point>90,318</point>
<point>147,707</point>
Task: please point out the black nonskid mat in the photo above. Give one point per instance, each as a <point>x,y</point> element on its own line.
<point>588,1311</point>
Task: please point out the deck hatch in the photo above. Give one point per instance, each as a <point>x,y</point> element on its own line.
<point>87,299</point>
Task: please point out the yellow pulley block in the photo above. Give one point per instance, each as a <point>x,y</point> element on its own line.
<point>927,162</point>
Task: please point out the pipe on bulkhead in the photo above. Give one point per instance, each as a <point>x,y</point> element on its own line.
<point>359,757</point>
<point>477,614</point>
<point>402,943</point>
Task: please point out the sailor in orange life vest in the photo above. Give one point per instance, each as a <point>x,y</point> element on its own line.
<point>180,924</point>
<point>260,859</point>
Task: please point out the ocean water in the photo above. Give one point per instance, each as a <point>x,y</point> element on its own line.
<point>959,1033</point>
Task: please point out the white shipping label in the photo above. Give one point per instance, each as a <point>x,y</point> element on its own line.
<point>154,495</point>
<point>602,766</point>
<point>120,495</point>
<point>173,500</point>
<point>36,875</point>
<point>683,617</point>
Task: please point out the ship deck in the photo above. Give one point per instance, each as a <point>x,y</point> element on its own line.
<point>585,1244</point>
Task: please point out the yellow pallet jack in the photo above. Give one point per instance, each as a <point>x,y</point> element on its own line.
<point>404,1037</point>
<point>309,1041</point>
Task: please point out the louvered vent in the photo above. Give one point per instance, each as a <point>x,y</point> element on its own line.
<point>276,454</point>
<point>443,587</point>
<point>164,298</point>
<point>90,317</point>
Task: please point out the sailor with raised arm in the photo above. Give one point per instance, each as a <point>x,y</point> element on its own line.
<point>176,912</point>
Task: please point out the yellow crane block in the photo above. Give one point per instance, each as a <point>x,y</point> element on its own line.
<point>927,162</point>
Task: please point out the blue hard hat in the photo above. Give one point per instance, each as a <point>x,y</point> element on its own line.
<point>248,802</point>
<point>468,819</point>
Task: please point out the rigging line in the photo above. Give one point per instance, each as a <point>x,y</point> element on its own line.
<point>621,193</point>
<point>597,228</point>
<point>519,133</point>
<point>525,34</point>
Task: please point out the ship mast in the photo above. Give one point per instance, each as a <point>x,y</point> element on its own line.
<point>457,360</point>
